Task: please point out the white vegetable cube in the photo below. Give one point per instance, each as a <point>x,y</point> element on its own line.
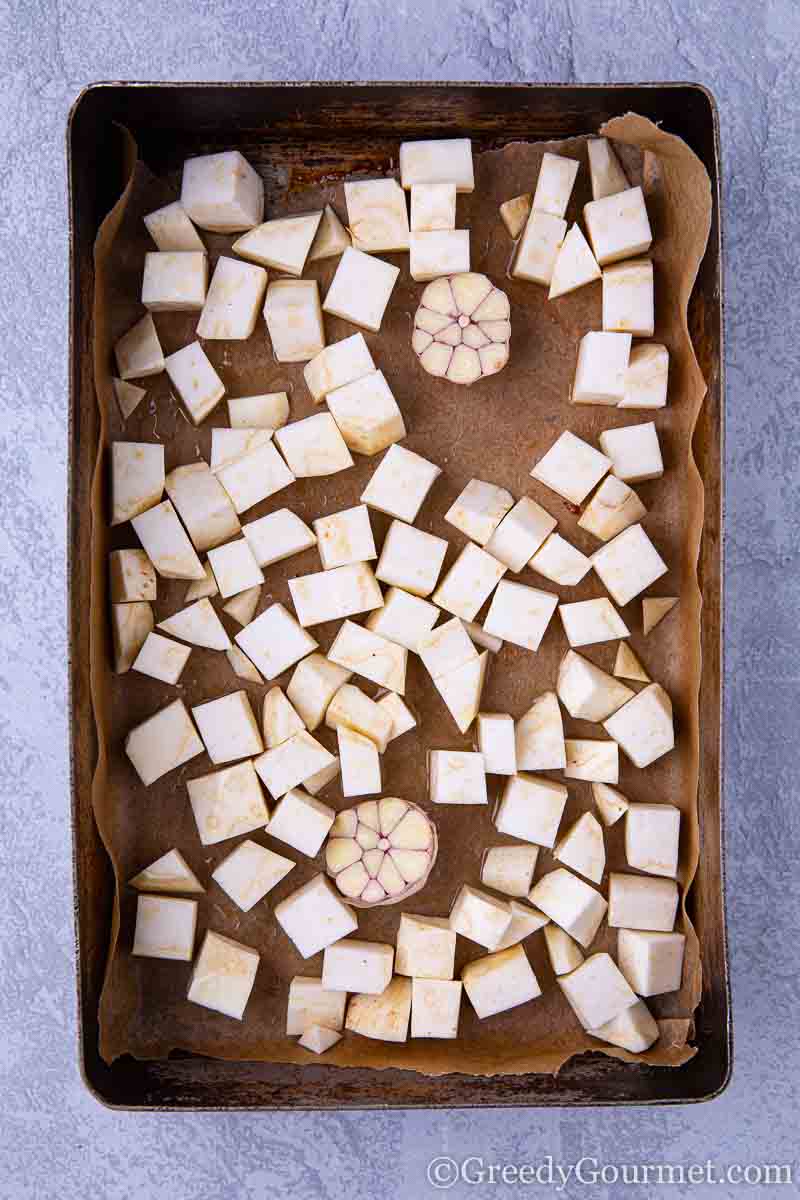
<point>377,216</point>
<point>612,508</point>
<point>439,252</point>
<point>163,742</point>
<point>279,719</point>
<point>383,662</point>
<point>361,288</point>
<point>222,192</point>
<point>654,609</point>
<point>461,690</point>
<point>277,536</point>
<point>229,444</point>
<point>383,1017</point>
<point>479,510</point>
<point>335,594</point>
<point>520,614</point>
<point>531,810</point>
<point>367,414</point>
<point>575,265</point>
<point>332,237</point>
<point>520,533</point>
<point>628,564</point>
<point>524,921</point>
<point>353,965</point>
<point>555,183</point>
<point>628,297</point>
<point>587,692</point>
<point>610,803</point>
<point>175,281</point>
<point>479,916</point>
<point>456,777</point>
<point>301,821</point>
<point>171,229</point>
<point>642,902</point>
<point>127,395</point>
<point>411,559</point>
<point>138,352</point>
<point>618,226</point>
<point>169,873</point>
<point>607,175</point>
<point>359,763</point>
<point>199,625</point>
<point>345,537</point>
<point>234,298</point>
<point>597,991</point>
<point>509,869</point>
<point>596,761</point>
<point>426,947</point>
<point>496,743</point>
<point>634,1029</point>
<point>137,479</point>
<point>602,368</point>
<point>540,736</point>
<point>469,582</point>
<point>574,906</point>
<point>161,658</point>
<point>314,916</point>
<point>627,665</point>
<point>404,618</point>
<point>195,380</point>
<point>652,963</point>
<point>515,212</point>
<point>589,621</point>
<point>283,243</point>
<point>227,803</point>
<point>539,247</point>
<point>249,872</point>
<point>291,763</point>
<point>446,648</point>
<point>402,718</point>
<point>400,484</point>
<point>445,160</point>
<point>565,954</point>
<point>560,562</point>
<point>435,1008</point>
<point>165,928</point>
<point>652,834</point>
<point>313,446</point>
<point>242,606</point>
<point>646,377</point>
<point>500,981</point>
<point>351,708</point>
<point>582,848</point>
<point>318,1039</point>
<point>571,468</point>
<point>320,779</point>
<point>312,687</point>
<point>634,451</point>
<point>338,365</point>
<point>311,1004</point>
<point>254,477</point>
<point>433,206</point>
<point>223,976</point>
<point>275,641</point>
<point>242,667</point>
<point>203,505</point>
<point>228,728</point>
<point>294,319</point>
<point>131,625</point>
<point>267,411</point>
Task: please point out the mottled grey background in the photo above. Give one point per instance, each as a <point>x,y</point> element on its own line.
<point>54,1138</point>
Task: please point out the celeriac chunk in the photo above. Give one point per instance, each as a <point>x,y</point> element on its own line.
<point>234,297</point>
<point>138,352</point>
<point>351,708</point>
<point>470,581</point>
<point>602,369</point>
<point>335,594</point>
<point>132,576</point>
<point>540,736</point>
<point>310,1004</point>
<point>531,810</point>
<point>560,562</point>
<point>524,921</point>
<point>197,383</point>
<point>628,564</point>
<point>618,226</point>
<point>242,666</point>
<point>445,160</point>
<point>400,484</point>
<point>595,761</point>
<point>320,779</point>
<point>404,618</point>
<point>652,963</point>
<point>367,414</point>
<point>582,848</point>
<point>169,873</point>
<point>242,606</point>
<point>446,648</point>
<point>611,804</point>
<point>353,965</point>
<point>377,217</point>
<point>359,763</point>
<point>627,665</point>
<point>199,625</point>
<point>565,954</point>
<point>411,559</point>
<point>461,690</point>
<point>607,175</point>
<point>383,1017</point>
<point>402,718</point>
<point>203,505</point>
<point>654,609</point>
<point>589,621</point>
<point>171,229</point>
<point>500,981</point>
<point>652,835</point>
<point>174,282</point>
<point>575,907</point>
<point>279,719</point>
<point>571,468</point>
<point>161,659</point>
<point>294,319</point>
<point>286,766</point>
<point>520,533</point>
<point>227,803</point>
<point>275,641</point>
<point>520,614</point>
<point>131,625</point>
<point>612,508</point>
<point>497,744</point>
<point>479,510</point>
<point>646,377</point>
<point>575,265</point>
<point>456,777</point>
<point>487,641</point>
<point>254,477</point>
<point>597,991</point>
<point>222,192</point>
<point>301,821</point>
<point>282,243</point>
<point>370,655</point>
<point>435,1008</point>
<point>332,238</point>
<point>642,902</point>
<point>127,395</point>
<point>249,872</point>
<point>277,536</point>
<point>345,537</point>
<point>515,212</point>
<point>223,976</point>
<point>628,297</point>
<point>338,365</point>
<point>634,451</point>
<point>314,917</point>
<point>587,692</point>
<point>426,947</point>
<point>163,742</point>
<point>235,568</point>
<point>312,687</point>
<point>479,916</point>
<point>554,184</point>
<point>165,928</point>
<point>509,869</point>
<point>228,728</point>
<point>634,1029</point>
<point>361,288</point>
<point>433,206</point>
<point>313,446</point>
<point>439,252</point>
<point>539,247</point>
<point>137,479</point>
<point>267,411</point>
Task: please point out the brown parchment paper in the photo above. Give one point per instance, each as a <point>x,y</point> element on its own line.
<point>495,430</point>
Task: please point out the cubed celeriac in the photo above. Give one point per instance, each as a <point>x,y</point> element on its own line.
<point>286,766</point>
<point>199,625</point>
<point>360,289</point>
<point>368,654</point>
<point>294,319</point>
<point>496,743</point>
<point>560,562</point>
<point>353,965</point>
<point>223,975</point>
<point>384,1017</point>
<point>435,1008</point>
<point>402,718</point>
<point>127,395</point>
<point>520,614</point>
<point>338,365</point>
<point>426,947</point>
<point>524,921</point>
<point>275,641</point>
<point>597,991</point>
<point>479,916</point>
<point>446,648</point>
<point>359,763</point>
<point>353,709</point>
<point>652,835</point>
<point>444,160</point>
<point>404,618</point>
<point>646,377</point>
<point>654,609</point>
<point>538,247</point>
<point>366,414</point>
<point>531,810</point>
<point>627,665</point>
<point>227,803</point>
<point>137,479</point>
<point>575,907</point>
<point>433,206</point>
<point>203,505</point>
<point>642,902</point>
<point>634,451</point>
<point>320,779</point>
<point>565,954</point>
<point>313,685</point>
<point>249,872</point>
<point>171,229</point>
<point>169,873</point>
<point>131,576</point>
<point>644,727</point>
<point>634,1029</point>
<point>222,192</point>
<point>165,928</point>
<point>267,411</point>
<point>520,533</point>
<point>242,666</point>
<point>277,536</point>
<point>411,559</point>
<point>163,742</point>
<point>131,625</point>
<point>587,692</point>
<point>602,368</point>
<point>607,175</point>
<point>254,476</point>
<point>202,589</point>
<point>618,226</point>
<point>301,821</point>
<point>161,658</point>
<point>479,510</point>
<point>470,581</point>
<point>456,777</point>
<point>515,212</point>
<point>593,760</point>
<point>197,383</point>
<point>228,728</point>
<point>438,252</point>
<point>400,484</point>
<point>610,803</point>
<point>282,243</point>
<point>461,690</point>
<point>377,217</point>
<point>314,916</point>
<point>540,736</point>
<point>279,720</point>
<point>332,238</point>
<point>554,184</point>
<point>312,1004</point>
<point>589,621</point>
<point>235,567</point>
<point>174,281</point>
<point>313,446</point>
<point>652,963</point>
<point>571,468</point>
<point>575,265</point>
<point>500,981</point>
<point>242,606</point>
<point>509,869</point>
<point>628,297</point>
<point>138,352</point>
<point>234,297</point>
<point>612,508</point>
<point>582,848</point>
<point>486,641</point>
<point>335,594</point>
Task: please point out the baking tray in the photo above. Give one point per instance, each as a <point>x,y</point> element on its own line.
<point>357,127</point>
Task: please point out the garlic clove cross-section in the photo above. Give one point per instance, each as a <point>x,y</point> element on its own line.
<point>381,851</point>
<point>462,328</point>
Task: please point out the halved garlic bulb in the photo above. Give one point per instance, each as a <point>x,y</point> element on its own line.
<point>462,328</point>
<point>381,851</point>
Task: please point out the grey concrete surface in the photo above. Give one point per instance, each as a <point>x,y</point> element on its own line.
<point>54,1138</point>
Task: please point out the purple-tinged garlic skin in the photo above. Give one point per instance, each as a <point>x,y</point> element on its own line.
<point>462,328</point>
<point>381,851</point>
